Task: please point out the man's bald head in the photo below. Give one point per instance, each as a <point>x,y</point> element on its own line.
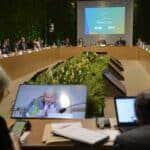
<point>50,96</point>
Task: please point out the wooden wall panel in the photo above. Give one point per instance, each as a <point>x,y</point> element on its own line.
<point>18,66</point>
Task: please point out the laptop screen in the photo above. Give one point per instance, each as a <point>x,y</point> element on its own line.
<point>50,101</point>
<point>125,111</point>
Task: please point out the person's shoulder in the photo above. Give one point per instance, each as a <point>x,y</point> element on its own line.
<point>2,119</point>
<point>38,100</point>
<point>137,132</point>
<point>135,138</point>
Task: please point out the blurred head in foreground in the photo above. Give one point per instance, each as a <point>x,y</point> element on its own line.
<point>142,108</point>
<point>7,142</point>
<point>4,81</point>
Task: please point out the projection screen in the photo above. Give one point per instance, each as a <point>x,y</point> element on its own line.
<point>105,20</point>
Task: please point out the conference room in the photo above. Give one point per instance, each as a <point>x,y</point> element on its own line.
<point>74,75</point>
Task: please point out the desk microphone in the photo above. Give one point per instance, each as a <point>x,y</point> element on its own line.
<point>62,110</point>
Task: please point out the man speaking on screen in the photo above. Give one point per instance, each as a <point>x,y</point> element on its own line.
<point>44,105</point>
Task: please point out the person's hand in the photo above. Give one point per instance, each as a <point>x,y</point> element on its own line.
<point>41,113</point>
<point>15,141</point>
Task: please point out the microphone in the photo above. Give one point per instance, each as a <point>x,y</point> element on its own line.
<point>62,110</point>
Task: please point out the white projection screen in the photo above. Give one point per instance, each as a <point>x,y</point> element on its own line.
<point>105,20</point>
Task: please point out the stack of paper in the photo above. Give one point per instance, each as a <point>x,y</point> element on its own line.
<point>78,133</point>
<point>49,138</point>
<point>56,126</point>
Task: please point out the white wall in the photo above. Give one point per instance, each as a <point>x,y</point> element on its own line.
<point>111,39</point>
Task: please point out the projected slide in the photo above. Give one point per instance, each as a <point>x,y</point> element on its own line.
<point>105,20</point>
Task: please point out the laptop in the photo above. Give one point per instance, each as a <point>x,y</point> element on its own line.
<point>125,113</point>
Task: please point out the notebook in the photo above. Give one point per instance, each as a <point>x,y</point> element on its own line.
<point>49,138</point>
<point>81,134</point>
<point>125,113</point>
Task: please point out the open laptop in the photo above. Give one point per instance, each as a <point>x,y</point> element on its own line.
<point>125,113</point>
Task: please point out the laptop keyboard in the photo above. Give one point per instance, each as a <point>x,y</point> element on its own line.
<point>125,129</point>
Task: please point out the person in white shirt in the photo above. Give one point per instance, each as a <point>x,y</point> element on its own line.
<point>139,42</point>
<point>43,105</point>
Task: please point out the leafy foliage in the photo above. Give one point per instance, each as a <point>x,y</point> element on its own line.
<point>35,33</point>
<point>84,69</point>
<point>1,36</point>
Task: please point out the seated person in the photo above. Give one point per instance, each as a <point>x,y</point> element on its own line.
<point>16,45</point>
<point>7,141</point>
<point>5,47</point>
<point>36,45</point>
<point>139,42</point>
<point>120,42</point>
<point>137,139</point>
<point>43,105</point>
<point>54,45</point>
<point>67,42</point>
<point>41,42</point>
<point>101,43</point>
<point>81,42</point>
<point>23,45</point>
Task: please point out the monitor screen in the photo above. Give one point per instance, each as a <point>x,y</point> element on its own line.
<point>105,20</point>
<point>125,110</point>
<point>50,101</point>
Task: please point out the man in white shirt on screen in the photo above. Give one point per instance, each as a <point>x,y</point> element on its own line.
<point>43,105</point>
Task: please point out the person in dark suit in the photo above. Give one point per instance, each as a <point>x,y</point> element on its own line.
<point>67,42</point>
<point>6,48</point>
<point>23,45</point>
<point>51,32</point>
<point>139,138</point>
<point>16,45</point>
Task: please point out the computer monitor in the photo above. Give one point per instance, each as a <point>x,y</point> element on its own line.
<point>125,111</point>
<point>50,101</point>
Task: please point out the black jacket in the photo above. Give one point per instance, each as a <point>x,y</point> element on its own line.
<point>136,139</point>
<point>5,140</point>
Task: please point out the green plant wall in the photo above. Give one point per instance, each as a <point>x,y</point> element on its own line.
<point>84,69</point>
<point>21,17</point>
<point>18,16</point>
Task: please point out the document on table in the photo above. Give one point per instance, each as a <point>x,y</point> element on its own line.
<point>49,138</point>
<point>56,126</point>
<point>112,134</point>
<point>81,134</point>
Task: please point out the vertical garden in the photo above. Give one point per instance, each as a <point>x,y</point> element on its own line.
<point>29,18</point>
<point>86,69</point>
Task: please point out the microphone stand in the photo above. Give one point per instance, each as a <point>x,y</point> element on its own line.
<point>62,110</point>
